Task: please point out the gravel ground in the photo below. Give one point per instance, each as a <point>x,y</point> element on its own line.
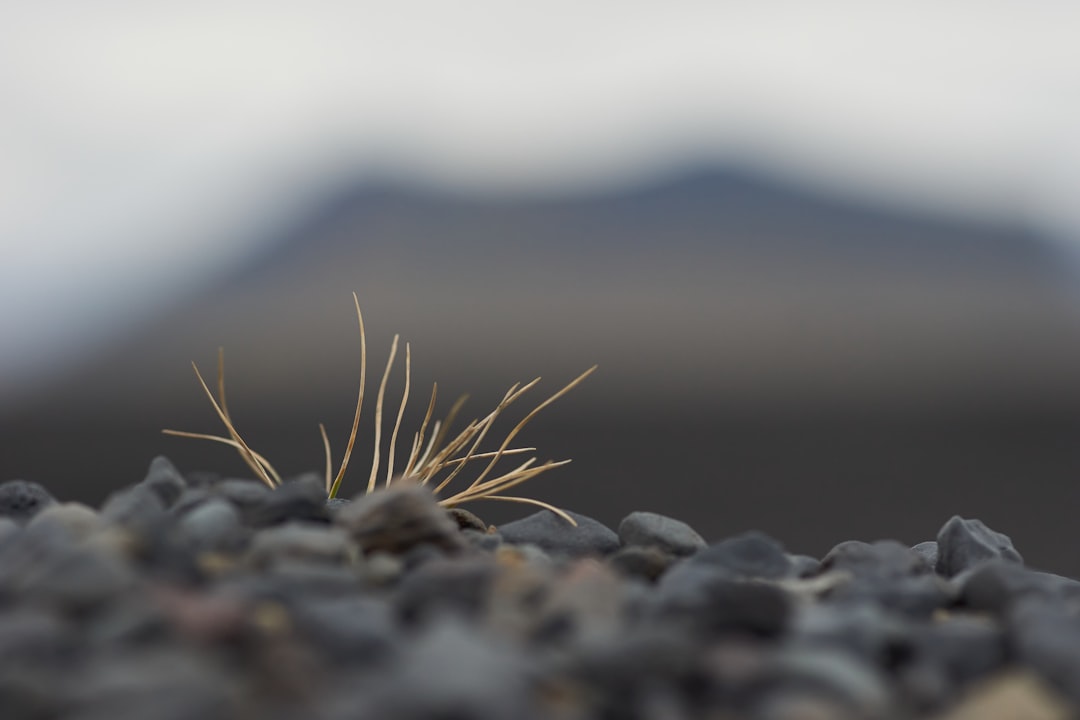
<point>201,597</point>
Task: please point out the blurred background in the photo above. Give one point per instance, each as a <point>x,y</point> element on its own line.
<point>825,255</point>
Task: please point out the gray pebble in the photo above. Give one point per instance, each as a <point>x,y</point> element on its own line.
<point>211,524</point>
<point>79,520</point>
<point>670,535</point>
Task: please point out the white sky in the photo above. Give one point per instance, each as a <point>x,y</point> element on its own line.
<point>141,143</point>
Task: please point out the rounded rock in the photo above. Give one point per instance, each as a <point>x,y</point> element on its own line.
<point>670,535</point>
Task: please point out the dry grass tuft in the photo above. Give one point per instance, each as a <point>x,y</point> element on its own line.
<point>433,459</point>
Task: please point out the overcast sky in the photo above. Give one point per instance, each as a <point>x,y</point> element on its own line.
<point>141,143</point>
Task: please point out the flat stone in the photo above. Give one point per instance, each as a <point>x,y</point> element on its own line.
<point>555,535</point>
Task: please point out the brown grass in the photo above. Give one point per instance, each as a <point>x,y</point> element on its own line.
<point>434,461</point>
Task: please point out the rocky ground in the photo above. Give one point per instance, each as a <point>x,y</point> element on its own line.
<point>199,597</point>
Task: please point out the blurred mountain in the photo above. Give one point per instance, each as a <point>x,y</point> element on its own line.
<point>713,287</point>
<point>769,357</point>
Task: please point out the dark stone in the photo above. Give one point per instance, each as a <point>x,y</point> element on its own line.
<point>449,672</point>
<point>643,562</point>
<point>750,555</point>
<point>555,535</point>
<point>245,494</point>
<point>613,672</point>
<point>8,529</point>
<point>78,521</point>
<point>164,684</point>
<point>962,544</point>
<point>888,574</point>
<point>77,580</point>
<point>486,541</point>
<point>1046,637</point>
<point>804,566</point>
<point>192,498</point>
<point>466,520</point>
<point>398,518</point>
<point>354,630</point>
<point>884,559</point>
<point>336,503</point>
<point>880,638</point>
<point>212,525</point>
<point>672,536</point>
<point>994,586</point>
<point>961,649</point>
<point>451,585</point>
<point>36,648</point>
<point>21,500</point>
<point>295,583</point>
<point>138,508</point>
<point>915,597</point>
<point>165,480</point>
<point>830,675</point>
<point>300,500</point>
<point>706,600</point>
<point>296,542</point>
